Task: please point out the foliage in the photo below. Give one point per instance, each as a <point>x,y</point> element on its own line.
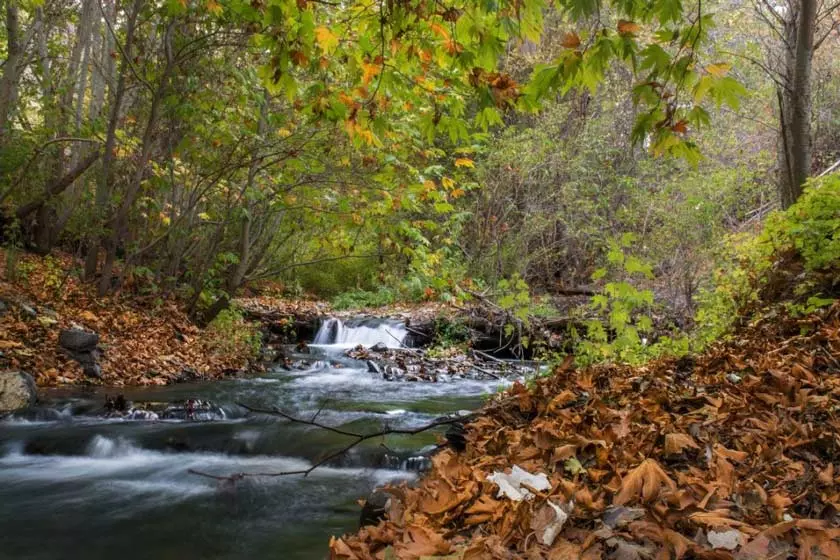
<point>793,261</point>
<point>145,343</point>
<point>621,308</point>
<point>451,337</point>
<point>360,299</point>
<point>230,334</point>
<point>614,445</point>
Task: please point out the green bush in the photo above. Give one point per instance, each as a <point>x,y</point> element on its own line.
<point>358,299</point>
<point>794,262</point>
<point>230,333</point>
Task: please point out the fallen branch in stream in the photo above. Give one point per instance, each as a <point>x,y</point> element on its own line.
<point>357,439</point>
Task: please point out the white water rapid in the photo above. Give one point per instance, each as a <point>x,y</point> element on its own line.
<point>366,332</point>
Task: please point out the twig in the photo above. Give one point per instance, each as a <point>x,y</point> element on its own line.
<point>487,356</point>
<point>358,438</point>
<point>487,372</point>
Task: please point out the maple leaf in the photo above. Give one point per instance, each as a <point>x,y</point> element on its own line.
<point>626,27</point>
<point>326,39</point>
<point>675,443</point>
<point>420,541</point>
<point>680,126</point>
<point>298,58</point>
<point>571,40</point>
<point>645,481</point>
<point>719,69</point>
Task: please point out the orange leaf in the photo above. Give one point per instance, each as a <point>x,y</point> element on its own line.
<point>628,27</point>
<point>571,40</point>
<point>645,481</point>
<point>675,443</point>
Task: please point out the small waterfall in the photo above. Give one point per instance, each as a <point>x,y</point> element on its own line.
<point>366,332</point>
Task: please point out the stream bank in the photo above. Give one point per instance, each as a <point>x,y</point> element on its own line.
<point>106,470</point>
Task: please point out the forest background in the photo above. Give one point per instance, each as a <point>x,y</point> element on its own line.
<point>370,152</point>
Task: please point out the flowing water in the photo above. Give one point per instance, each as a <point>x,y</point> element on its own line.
<point>76,483</point>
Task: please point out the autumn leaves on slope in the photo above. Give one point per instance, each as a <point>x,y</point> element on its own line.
<point>145,342</point>
<point>733,456</point>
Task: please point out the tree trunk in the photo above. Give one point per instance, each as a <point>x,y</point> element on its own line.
<point>103,187</point>
<point>11,70</point>
<point>795,103</point>
<point>118,226</point>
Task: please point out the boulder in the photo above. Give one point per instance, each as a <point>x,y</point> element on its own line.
<point>78,341</point>
<point>375,508</point>
<point>82,346</point>
<point>17,391</point>
<point>379,347</point>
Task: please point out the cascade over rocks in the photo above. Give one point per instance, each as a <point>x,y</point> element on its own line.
<point>17,391</point>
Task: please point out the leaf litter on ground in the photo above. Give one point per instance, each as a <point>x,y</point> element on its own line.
<point>672,460</point>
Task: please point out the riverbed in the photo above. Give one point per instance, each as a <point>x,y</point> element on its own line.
<point>79,482</point>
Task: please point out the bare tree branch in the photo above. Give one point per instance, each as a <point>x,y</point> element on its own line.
<point>357,439</point>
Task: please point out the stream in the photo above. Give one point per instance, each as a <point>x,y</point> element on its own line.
<point>76,482</point>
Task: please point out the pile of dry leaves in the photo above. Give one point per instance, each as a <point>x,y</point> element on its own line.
<point>734,455</point>
<point>145,342</point>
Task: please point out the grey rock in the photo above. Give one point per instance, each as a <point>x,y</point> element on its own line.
<point>373,368</point>
<point>27,311</point>
<point>379,347</point>
<point>17,391</point>
<point>375,508</point>
<point>79,341</point>
<point>92,370</point>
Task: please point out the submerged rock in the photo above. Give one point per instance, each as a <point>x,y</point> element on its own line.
<point>17,391</point>
<point>193,409</point>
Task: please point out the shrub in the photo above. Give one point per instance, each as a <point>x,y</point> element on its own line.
<point>230,333</point>
<point>357,299</point>
<point>794,262</point>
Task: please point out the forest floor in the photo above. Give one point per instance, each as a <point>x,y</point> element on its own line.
<point>734,454</point>
<point>144,340</point>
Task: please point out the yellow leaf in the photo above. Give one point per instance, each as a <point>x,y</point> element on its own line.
<point>719,70</point>
<point>214,7</point>
<point>675,443</point>
<point>447,183</point>
<point>369,71</point>
<point>457,193</point>
<point>645,481</point>
<point>326,39</point>
<point>464,162</point>
<point>440,30</point>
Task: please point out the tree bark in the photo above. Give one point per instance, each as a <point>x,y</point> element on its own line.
<point>11,70</point>
<point>103,187</point>
<point>119,224</point>
<point>795,103</point>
